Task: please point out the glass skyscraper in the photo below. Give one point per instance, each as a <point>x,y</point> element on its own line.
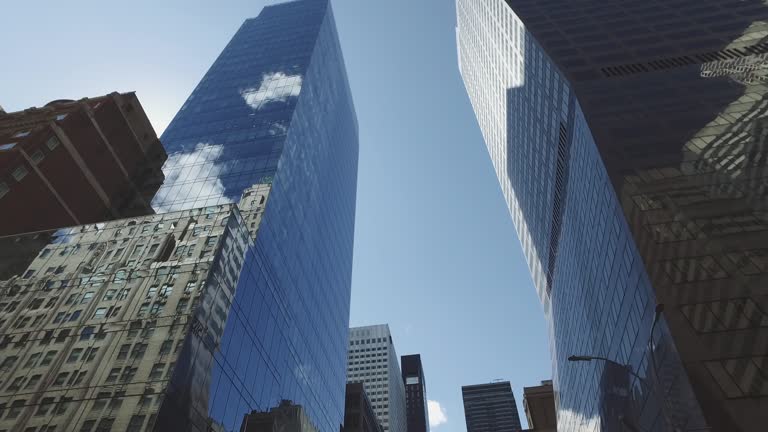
<point>629,141</point>
<point>275,108</point>
<point>234,297</point>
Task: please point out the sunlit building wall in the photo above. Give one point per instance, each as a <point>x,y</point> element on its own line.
<point>372,361</point>
<point>97,330</point>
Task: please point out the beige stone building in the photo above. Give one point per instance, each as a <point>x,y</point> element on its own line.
<point>93,329</point>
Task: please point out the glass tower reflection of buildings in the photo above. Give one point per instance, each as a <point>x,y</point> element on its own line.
<point>629,142</point>
<point>235,295</point>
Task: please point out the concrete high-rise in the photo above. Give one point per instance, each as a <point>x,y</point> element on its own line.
<point>372,361</point>
<point>235,296</point>
<point>416,407</point>
<point>490,408</point>
<point>628,138</point>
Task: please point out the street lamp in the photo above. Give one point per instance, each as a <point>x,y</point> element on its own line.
<point>657,314</point>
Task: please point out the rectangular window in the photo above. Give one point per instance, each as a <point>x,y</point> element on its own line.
<point>48,358</point>
<point>138,350</point>
<point>32,360</point>
<point>19,173</point>
<point>4,189</point>
<point>86,333</point>
<point>45,405</point>
<point>128,374</point>
<point>165,348</point>
<point>101,401</point>
<point>113,373</point>
<point>87,297</point>
<point>157,371</point>
<point>61,408</point>
<point>32,383</point>
<point>37,156</point>
<point>61,379</point>
<point>16,407</point>
<point>99,313</point>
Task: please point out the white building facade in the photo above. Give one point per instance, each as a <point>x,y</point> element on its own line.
<point>372,361</point>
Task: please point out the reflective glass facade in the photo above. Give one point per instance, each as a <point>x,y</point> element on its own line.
<point>275,109</point>
<point>235,296</point>
<point>628,141</point>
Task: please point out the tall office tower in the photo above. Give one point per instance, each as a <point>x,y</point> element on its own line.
<point>629,141</point>
<point>213,322</point>
<point>372,361</point>
<point>415,393</point>
<point>539,403</point>
<point>490,408</point>
<point>358,414</point>
<point>77,162</point>
<point>275,109</point>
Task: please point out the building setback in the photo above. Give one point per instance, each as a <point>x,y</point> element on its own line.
<point>372,361</point>
<point>77,162</point>
<point>358,413</point>
<point>416,409</point>
<point>490,408</point>
<point>197,316</point>
<point>628,140</point>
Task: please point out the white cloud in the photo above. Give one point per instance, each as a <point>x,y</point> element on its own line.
<point>436,413</point>
<point>192,180</point>
<point>275,87</point>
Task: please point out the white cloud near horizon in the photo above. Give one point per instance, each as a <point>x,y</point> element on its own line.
<point>192,179</point>
<point>274,87</point>
<point>437,414</point>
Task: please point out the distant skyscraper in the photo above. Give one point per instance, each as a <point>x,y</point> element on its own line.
<point>193,318</point>
<point>358,414</point>
<point>415,393</point>
<point>372,360</point>
<point>539,403</point>
<point>629,141</point>
<point>490,408</point>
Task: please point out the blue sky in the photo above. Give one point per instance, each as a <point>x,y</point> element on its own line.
<point>436,255</point>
